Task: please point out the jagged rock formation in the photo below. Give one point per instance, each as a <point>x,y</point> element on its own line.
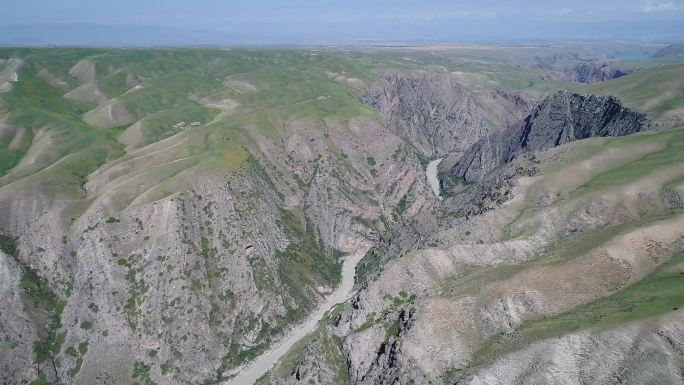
<point>225,256</point>
<point>587,73</point>
<point>190,243</point>
<point>532,273</point>
<point>191,251</point>
<point>475,301</point>
<point>436,114</point>
<point>561,118</point>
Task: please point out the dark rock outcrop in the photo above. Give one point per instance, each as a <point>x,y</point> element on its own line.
<point>561,118</point>
<point>436,114</point>
<point>586,73</point>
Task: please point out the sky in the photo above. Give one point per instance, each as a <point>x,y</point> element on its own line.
<point>337,22</point>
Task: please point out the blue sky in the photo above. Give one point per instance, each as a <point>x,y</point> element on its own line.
<point>322,21</point>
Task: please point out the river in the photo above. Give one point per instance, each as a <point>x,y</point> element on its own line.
<point>248,374</point>
<point>431,174</point>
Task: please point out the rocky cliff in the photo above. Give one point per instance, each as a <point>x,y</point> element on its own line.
<point>574,263</point>
<point>437,114</point>
<point>195,247</point>
<point>587,72</point>
<point>184,288</point>
<point>175,248</point>
<point>563,117</point>
<point>553,266</point>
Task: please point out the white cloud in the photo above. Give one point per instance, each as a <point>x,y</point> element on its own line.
<point>659,6</point>
<point>565,11</point>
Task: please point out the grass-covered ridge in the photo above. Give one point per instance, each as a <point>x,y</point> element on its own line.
<point>146,96</point>
<point>660,292</point>
<point>657,89</point>
<point>39,109</point>
<point>638,180</point>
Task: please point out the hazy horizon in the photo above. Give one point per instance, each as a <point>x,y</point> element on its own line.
<point>211,22</point>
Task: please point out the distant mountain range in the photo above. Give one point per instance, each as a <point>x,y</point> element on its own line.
<point>91,34</point>
<point>114,35</point>
<point>673,50</point>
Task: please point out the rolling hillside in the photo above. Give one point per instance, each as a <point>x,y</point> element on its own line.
<point>169,215</point>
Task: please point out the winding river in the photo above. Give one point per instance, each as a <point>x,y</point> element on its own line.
<point>248,374</point>
<point>431,174</point>
<point>251,372</point>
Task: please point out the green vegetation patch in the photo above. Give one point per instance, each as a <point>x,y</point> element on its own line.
<point>659,89</point>
<point>38,295</point>
<point>137,287</point>
<point>306,259</point>
<point>113,85</point>
<point>327,349</point>
<point>113,220</point>
<point>164,123</point>
<point>41,380</point>
<point>9,246</point>
<point>672,154</point>
<point>471,280</point>
<point>76,149</point>
<point>658,293</point>
<point>141,373</point>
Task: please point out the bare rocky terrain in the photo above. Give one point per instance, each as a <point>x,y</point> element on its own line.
<point>588,72</point>
<point>169,216</point>
<point>561,118</point>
